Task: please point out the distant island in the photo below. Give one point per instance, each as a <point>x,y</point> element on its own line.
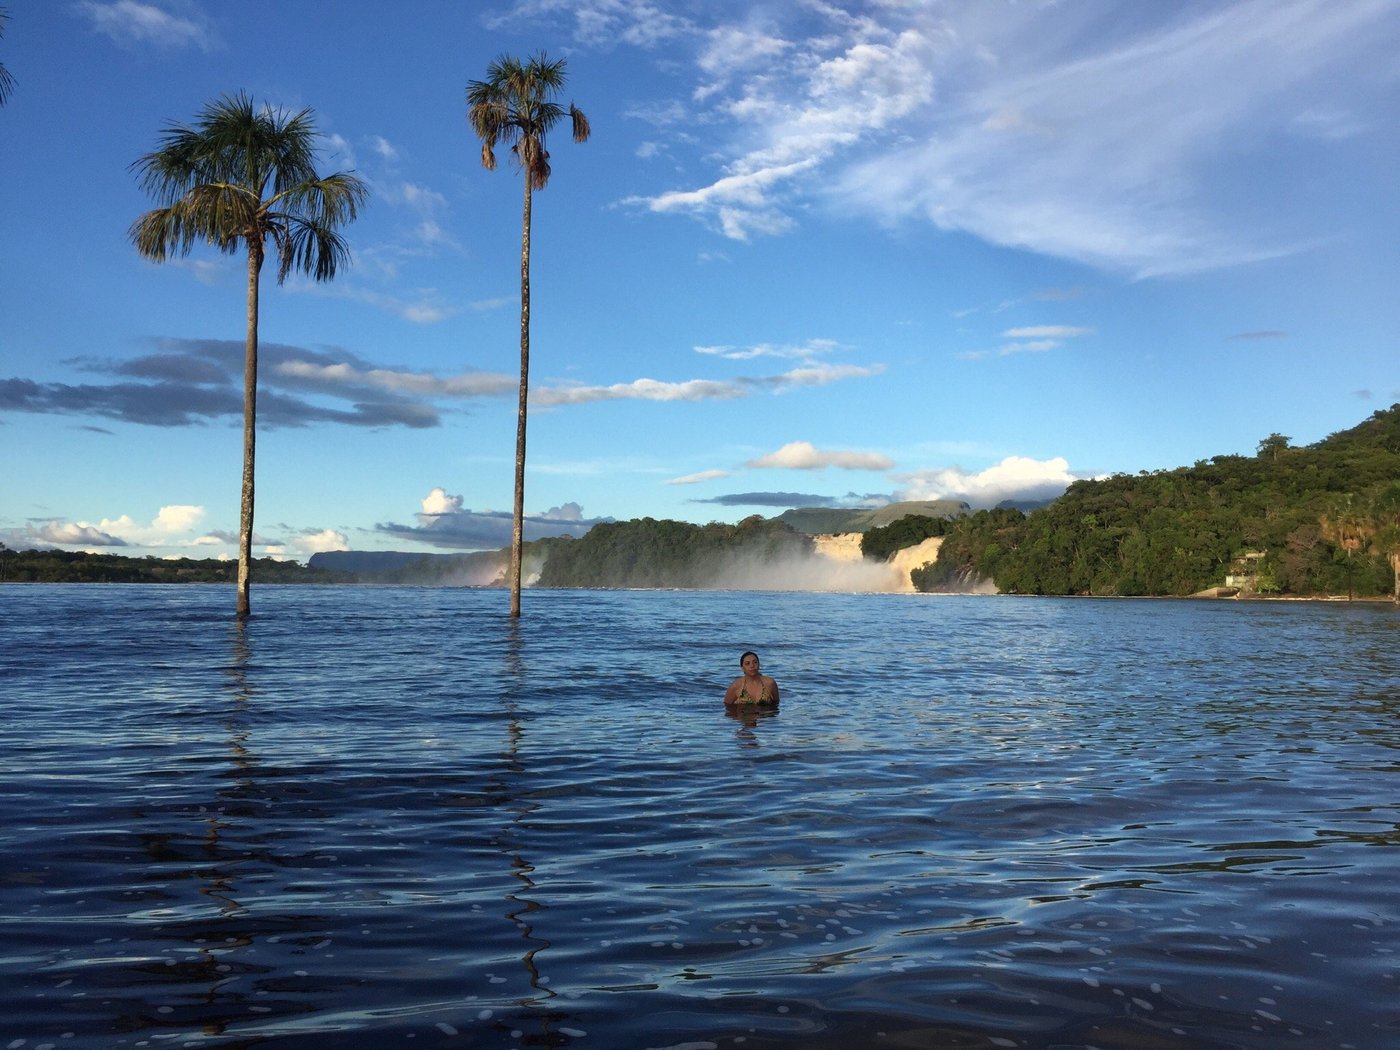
<point>1318,520</point>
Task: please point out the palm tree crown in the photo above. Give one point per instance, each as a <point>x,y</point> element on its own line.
<point>514,105</point>
<point>7,82</point>
<point>240,177</point>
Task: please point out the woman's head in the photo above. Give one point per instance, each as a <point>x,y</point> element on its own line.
<point>745,657</point>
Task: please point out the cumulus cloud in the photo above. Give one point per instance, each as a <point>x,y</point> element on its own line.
<point>1015,477</point>
<point>803,455</point>
<point>178,518</point>
<point>173,527</point>
<point>444,521</point>
<point>77,534</point>
<point>315,542</point>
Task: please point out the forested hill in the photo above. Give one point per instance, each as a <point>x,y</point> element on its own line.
<point>645,552</point>
<point>1320,519</point>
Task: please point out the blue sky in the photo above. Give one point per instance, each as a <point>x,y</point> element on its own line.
<point>814,253</point>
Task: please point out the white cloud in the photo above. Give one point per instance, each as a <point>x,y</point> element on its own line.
<point>802,351</point>
<point>695,479</point>
<point>131,23</point>
<point>796,107</point>
<point>640,390</point>
<point>821,375</point>
<point>171,526</point>
<point>316,542</point>
<point>68,533</point>
<point>426,306</point>
<point>178,518</point>
<point>604,23</point>
<point>1047,331</point>
<point>1107,155</point>
<point>418,384</point>
<point>1033,339</point>
<point>566,512</point>
<point>803,455</point>
<point>445,522</point>
<point>439,502</point>
<point>1015,477</point>
<point>1109,134</point>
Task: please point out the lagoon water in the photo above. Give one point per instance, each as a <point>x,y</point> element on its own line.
<point>389,817</point>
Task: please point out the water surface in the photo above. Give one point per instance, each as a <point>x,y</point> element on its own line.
<point>391,817</point>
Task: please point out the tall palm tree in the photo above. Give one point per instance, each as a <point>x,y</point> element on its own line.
<point>237,179</point>
<point>7,82</point>
<point>515,105</point>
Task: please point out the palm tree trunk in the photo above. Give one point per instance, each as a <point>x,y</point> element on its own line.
<point>517,531</point>
<point>250,413</point>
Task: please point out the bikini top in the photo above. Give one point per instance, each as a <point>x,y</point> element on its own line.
<point>744,694</point>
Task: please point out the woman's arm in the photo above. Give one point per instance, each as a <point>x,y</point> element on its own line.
<point>773,690</point>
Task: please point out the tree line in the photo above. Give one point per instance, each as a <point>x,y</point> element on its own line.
<point>1320,519</point>
<point>59,566</point>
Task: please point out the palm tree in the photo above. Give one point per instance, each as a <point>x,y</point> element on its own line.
<point>7,82</point>
<point>236,179</point>
<point>515,105</point>
<point>1346,524</point>
<point>1385,508</point>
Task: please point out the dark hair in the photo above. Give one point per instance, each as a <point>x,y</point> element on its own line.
<point>747,652</point>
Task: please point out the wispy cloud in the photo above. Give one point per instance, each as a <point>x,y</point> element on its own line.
<point>1030,339</point>
<point>134,24</point>
<point>641,390</point>
<point>699,389</point>
<point>801,351</point>
<point>603,23</point>
<point>696,479</point>
<point>1106,157</point>
<point>786,500</point>
<point>1261,335</point>
<point>1092,133</point>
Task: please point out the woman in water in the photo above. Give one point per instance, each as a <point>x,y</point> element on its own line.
<point>751,687</point>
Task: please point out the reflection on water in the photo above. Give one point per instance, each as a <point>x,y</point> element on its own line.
<point>397,817</point>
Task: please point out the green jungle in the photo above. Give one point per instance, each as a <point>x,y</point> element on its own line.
<point>1310,521</point>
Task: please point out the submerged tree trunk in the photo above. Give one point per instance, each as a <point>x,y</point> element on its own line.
<point>517,531</point>
<point>250,415</point>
